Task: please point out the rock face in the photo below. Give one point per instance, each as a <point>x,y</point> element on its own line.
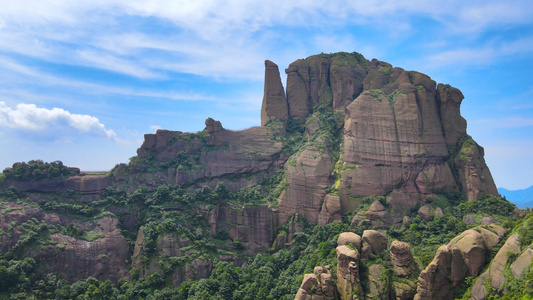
<point>239,158</point>
<point>400,131</point>
<point>462,257</point>
<point>254,226</point>
<point>170,245</point>
<point>86,184</point>
<point>308,174</point>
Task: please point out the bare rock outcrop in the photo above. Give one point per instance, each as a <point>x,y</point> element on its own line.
<point>83,184</point>
<point>349,238</point>
<point>495,271</point>
<point>253,226</point>
<point>405,268</point>
<point>317,286</point>
<point>348,281</point>
<point>375,241</point>
<point>274,100</point>
<point>331,210</point>
<point>522,262</point>
<point>463,256</point>
<point>474,175</point>
<point>205,158</point>
<point>308,174</point>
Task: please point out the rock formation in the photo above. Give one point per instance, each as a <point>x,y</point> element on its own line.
<point>495,271</point>
<point>317,286</point>
<point>463,256</point>
<point>274,100</point>
<point>386,280</point>
<point>348,281</point>
<point>405,268</point>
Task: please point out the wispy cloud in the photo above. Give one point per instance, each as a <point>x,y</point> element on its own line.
<point>33,118</point>
<point>481,55</point>
<point>197,33</point>
<point>41,78</point>
<point>510,122</point>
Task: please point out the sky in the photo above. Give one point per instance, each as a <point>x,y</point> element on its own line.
<point>83,81</point>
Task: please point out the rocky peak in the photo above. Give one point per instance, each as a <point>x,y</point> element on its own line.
<point>274,100</point>
<point>212,126</point>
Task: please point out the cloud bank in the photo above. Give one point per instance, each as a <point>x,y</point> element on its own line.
<point>32,118</point>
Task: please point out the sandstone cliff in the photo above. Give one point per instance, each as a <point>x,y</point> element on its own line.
<point>363,128</point>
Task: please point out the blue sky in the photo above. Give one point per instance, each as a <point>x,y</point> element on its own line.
<point>82,81</point>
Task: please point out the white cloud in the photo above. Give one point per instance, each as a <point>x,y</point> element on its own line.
<point>30,117</point>
<point>155,127</point>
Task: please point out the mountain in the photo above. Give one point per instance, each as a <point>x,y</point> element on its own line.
<point>361,178</point>
<point>522,198</point>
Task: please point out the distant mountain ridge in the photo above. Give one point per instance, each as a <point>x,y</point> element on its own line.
<point>522,198</point>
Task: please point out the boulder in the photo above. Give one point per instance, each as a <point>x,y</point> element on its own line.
<point>469,219</point>
<point>405,268</point>
<point>438,212</point>
<point>331,210</point>
<point>317,286</point>
<point>425,212</point>
<point>376,240</point>
<point>349,238</point>
<point>487,221</point>
<point>378,216</point>
<point>522,262</point>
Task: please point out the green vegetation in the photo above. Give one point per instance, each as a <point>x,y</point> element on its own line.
<point>377,93</point>
<point>384,70</point>
<point>38,170</point>
<point>275,273</point>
